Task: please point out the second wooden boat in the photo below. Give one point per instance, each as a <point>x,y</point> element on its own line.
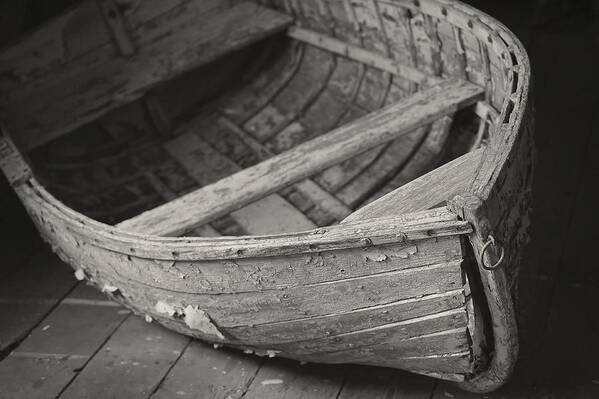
<point>329,181</point>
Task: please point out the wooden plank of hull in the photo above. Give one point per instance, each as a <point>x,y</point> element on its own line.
<point>437,344</point>
<point>255,308</point>
<point>271,305</point>
<point>434,365</point>
<point>303,329</point>
<point>403,338</point>
<point>452,363</point>
<point>100,79</point>
<point>259,274</point>
<point>246,186</point>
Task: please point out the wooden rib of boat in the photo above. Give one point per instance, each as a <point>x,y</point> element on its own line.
<point>331,181</point>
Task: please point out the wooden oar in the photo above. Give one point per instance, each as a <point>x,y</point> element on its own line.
<point>235,191</point>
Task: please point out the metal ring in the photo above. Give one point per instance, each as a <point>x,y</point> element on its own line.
<point>491,241</point>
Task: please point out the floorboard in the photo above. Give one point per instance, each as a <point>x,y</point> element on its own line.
<point>137,354</point>
<point>29,293</point>
<point>216,373</point>
<point>59,347</point>
<point>289,379</point>
<point>381,383</point>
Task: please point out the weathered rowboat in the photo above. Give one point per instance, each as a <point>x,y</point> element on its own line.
<point>368,164</point>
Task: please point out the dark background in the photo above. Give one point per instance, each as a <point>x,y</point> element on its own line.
<point>559,289</point>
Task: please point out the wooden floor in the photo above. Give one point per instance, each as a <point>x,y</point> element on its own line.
<point>60,338</point>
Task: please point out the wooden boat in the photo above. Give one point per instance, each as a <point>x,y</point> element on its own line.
<point>329,181</point>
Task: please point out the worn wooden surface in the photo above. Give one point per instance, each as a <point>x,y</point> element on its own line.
<point>66,81</point>
<point>244,187</point>
<point>573,373</point>
<point>426,192</point>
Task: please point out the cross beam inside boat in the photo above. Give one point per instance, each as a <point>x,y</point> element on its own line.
<point>61,82</point>
<point>235,191</point>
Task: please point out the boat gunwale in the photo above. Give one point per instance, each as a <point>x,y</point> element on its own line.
<point>401,229</point>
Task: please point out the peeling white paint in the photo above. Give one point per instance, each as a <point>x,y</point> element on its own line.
<point>109,288</point>
<point>163,307</point>
<point>80,274</point>
<point>199,320</point>
<point>272,353</point>
<point>406,253</point>
<point>376,256</point>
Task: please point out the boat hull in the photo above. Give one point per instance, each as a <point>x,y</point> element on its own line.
<point>421,272</point>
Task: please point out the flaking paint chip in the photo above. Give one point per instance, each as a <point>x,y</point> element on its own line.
<point>405,254</point>
<point>163,307</point>
<point>80,274</point>
<point>272,353</point>
<point>109,288</point>
<point>198,320</point>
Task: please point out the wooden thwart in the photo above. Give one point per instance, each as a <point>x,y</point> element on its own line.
<point>359,54</point>
<point>161,45</point>
<point>246,186</point>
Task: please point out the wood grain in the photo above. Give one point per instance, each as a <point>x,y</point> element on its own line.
<point>271,214</point>
<point>45,362</point>
<point>426,192</point>
<point>140,352</point>
<point>79,91</point>
<point>216,374</point>
<point>244,187</point>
